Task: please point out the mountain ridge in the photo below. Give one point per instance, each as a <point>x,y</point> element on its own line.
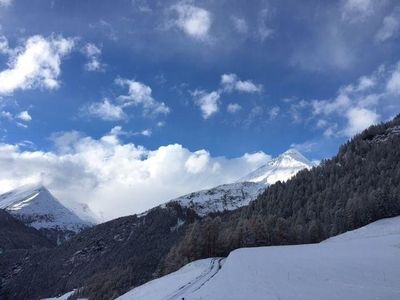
<point>231,196</point>
<point>36,207</point>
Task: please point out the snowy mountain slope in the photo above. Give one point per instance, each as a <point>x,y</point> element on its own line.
<point>360,264</point>
<point>241,193</point>
<point>280,168</point>
<point>221,198</point>
<point>38,208</point>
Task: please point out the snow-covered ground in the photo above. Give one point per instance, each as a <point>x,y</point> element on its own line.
<point>241,193</point>
<point>37,207</point>
<point>175,285</point>
<point>361,264</point>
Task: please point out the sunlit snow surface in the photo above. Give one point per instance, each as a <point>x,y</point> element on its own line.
<point>360,264</point>
<point>282,168</point>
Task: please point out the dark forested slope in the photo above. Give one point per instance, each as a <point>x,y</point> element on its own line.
<point>16,235</point>
<point>105,260</point>
<point>359,185</point>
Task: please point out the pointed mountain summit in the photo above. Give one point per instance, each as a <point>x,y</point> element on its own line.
<point>280,168</point>
<point>35,206</point>
<point>234,195</point>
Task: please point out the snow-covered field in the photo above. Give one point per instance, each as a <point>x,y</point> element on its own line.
<point>175,285</point>
<point>361,264</point>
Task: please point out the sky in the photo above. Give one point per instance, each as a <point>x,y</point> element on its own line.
<point>126,104</point>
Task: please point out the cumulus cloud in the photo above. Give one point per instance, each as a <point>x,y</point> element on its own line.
<point>104,110</point>
<point>233,108</point>
<point>116,178</point>
<point>208,102</point>
<point>358,119</point>
<point>93,53</point>
<point>197,162</point>
<point>192,20</point>
<point>359,105</point>
<point>141,94</point>
<point>35,64</point>
<point>24,116</point>
<point>231,82</point>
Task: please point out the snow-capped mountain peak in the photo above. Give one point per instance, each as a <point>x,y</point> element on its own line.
<point>241,193</point>
<point>280,168</point>
<point>38,208</point>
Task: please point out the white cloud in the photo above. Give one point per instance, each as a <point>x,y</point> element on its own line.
<point>240,24</point>
<point>93,54</point>
<point>22,125</point>
<point>194,21</point>
<point>230,82</point>
<point>197,162</point>
<point>104,110</point>
<point>357,106</point>
<point>274,112</point>
<point>233,108</point>
<point>6,2</point>
<point>393,83</point>
<point>264,31</point>
<point>141,94</point>
<point>356,10</point>
<point>6,115</point>
<point>390,26</point>
<point>358,119</point>
<point>116,178</point>
<point>4,47</point>
<point>36,64</point>
<point>24,116</point>
<point>146,132</point>
<point>208,102</point>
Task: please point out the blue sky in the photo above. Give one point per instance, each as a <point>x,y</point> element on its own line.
<point>224,78</point>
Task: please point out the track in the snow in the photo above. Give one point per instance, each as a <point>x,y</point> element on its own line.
<point>198,282</point>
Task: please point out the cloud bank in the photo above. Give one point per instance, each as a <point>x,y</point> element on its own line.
<point>116,178</point>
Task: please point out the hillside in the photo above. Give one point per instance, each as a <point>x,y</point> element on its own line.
<point>36,207</point>
<point>16,235</point>
<point>235,195</point>
<point>360,264</point>
<point>106,259</point>
<point>358,186</point>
